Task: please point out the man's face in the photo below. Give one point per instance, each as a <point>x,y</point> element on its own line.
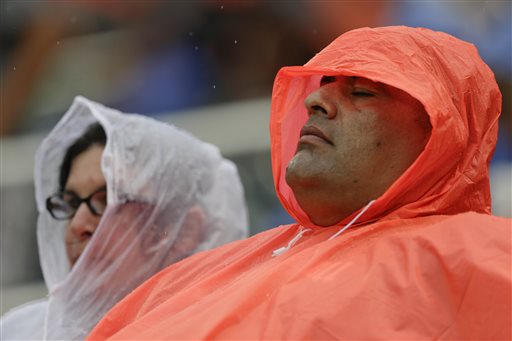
<point>359,138</point>
<point>85,177</point>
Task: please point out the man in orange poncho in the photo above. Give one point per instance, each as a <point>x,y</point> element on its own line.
<point>380,151</point>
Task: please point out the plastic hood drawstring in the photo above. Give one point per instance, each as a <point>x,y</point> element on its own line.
<point>292,242</point>
<point>302,230</point>
<point>353,220</point>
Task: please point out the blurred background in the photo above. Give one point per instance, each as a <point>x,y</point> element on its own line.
<point>206,66</point>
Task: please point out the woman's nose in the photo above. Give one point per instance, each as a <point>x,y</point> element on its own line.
<point>322,102</point>
<point>84,223</point>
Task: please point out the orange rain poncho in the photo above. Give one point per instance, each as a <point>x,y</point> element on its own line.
<point>425,261</point>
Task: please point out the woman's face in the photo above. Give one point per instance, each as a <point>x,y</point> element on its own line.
<point>85,178</point>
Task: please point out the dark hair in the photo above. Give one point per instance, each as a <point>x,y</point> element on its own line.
<point>93,135</point>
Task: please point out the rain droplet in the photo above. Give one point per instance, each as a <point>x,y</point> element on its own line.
<point>221,6</point>
<point>14,68</point>
<point>214,86</point>
<point>196,48</point>
<point>58,42</point>
<point>236,41</point>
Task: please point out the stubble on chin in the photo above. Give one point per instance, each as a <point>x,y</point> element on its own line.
<point>300,172</point>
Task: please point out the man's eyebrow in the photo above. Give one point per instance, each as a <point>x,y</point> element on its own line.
<point>366,81</point>
<point>352,80</point>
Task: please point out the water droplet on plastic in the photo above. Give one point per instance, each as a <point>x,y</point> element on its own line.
<point>221,6</point>
<point>214,86</point>
<point>236,41</point>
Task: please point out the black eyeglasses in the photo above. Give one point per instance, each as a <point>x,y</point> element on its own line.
<point>63,205</point>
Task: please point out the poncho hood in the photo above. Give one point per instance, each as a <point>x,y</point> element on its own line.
<point>170,195</point>
<point>458,91</point>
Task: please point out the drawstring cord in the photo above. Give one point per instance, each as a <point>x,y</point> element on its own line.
<point>302,230</point>
<point>353,220</point>
<point>292,242</point>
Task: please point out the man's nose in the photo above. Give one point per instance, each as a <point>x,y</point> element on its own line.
<point>321,102</point>
<point>84,223</point>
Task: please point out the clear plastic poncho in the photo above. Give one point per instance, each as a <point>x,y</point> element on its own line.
<point>169,196</point>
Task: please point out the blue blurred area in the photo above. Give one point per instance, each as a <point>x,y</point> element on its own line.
<point>174,77</point>
<point>487,24</point>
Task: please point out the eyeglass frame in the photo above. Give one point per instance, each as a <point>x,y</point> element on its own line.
<point>81,200</point>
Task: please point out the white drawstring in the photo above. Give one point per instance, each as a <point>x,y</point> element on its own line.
<point>302,230</point>
<point>353,220</point>
<point>292,242</point>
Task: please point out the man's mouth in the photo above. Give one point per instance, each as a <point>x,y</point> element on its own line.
<point>312,134</point>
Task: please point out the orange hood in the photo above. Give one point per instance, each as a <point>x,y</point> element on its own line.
<point>446,75</point>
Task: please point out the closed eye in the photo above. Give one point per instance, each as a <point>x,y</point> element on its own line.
<point>362,93</point>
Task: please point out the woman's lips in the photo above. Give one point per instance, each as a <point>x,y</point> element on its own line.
<point>313,134</point>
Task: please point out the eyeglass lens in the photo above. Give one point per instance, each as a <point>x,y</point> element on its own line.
<point>64,205</point>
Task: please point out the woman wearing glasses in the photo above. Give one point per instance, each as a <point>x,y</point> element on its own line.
<point>120,197</point>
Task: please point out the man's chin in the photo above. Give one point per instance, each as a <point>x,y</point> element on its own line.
<point>300,172</point>
<point>303,161</point>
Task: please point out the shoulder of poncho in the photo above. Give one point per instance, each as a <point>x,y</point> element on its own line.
<point>25,321</point>
<point>27,307</point>
<point>477,220</point>
<point>467,222</point>
<point>468,234</point>
<point>210,261</point>
<point>214,258</point>
<point>197,268</point>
